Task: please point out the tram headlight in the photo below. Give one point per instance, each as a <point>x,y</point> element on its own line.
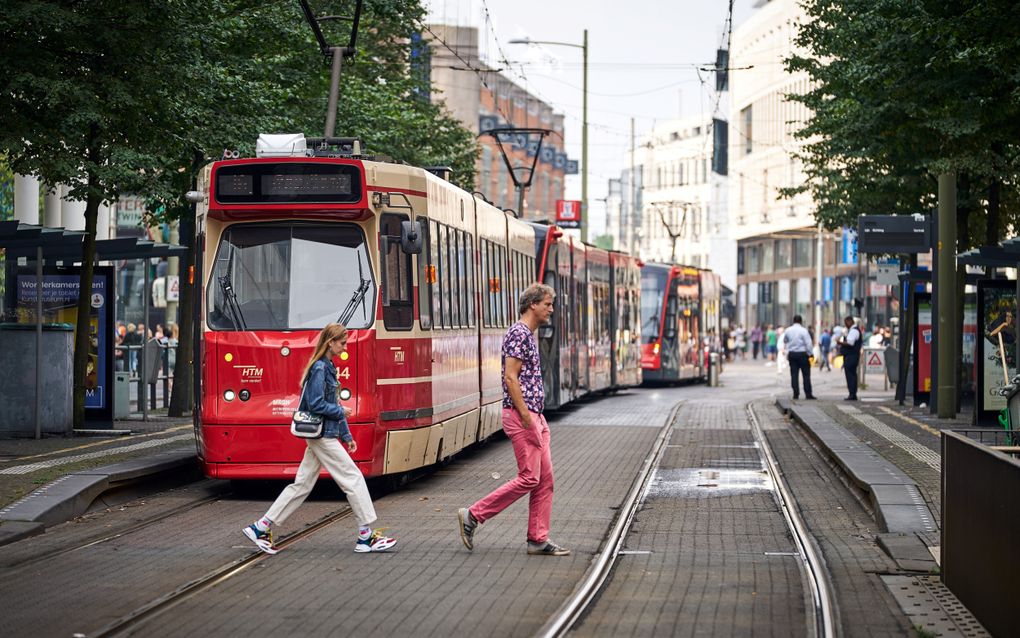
<point>345,393</point>
<point>655,349</point>
<point>229,395</point>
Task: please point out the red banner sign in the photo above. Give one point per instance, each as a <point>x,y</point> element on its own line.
<point>568,213</point>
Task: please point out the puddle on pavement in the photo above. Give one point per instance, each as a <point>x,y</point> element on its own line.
<point>708,482</point>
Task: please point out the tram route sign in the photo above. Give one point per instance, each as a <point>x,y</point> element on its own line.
<point>893,234</point>
<point>568,213</point>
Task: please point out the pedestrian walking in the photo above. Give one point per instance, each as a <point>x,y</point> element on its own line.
<point>770,342</point>
<point>756,339</point>
<point>850,347</point>
<point>798,345</point>
<point>524,424</point>
<point>824,347</point>
<point>320,395</point>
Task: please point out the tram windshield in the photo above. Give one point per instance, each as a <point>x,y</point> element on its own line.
<point>291,276</point>
<point>653,287</point>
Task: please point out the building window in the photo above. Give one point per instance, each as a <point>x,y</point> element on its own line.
<point>802,253</point>
<point>746,119</point>
<point>783,254</point>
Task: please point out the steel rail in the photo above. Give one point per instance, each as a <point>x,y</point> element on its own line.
<point>213,578</point>
<point>812,564</point>
<point>602,563</point>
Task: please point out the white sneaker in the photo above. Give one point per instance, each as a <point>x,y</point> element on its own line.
<point>376,542</point>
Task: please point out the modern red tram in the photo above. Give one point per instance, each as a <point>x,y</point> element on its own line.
<point>679,315</point>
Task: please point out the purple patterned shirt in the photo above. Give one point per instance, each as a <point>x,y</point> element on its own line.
<point>520,343</point>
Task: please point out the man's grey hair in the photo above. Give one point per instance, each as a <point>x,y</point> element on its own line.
<point>533,294</point>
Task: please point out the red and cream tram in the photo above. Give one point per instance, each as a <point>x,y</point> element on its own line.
<point>425,276</point>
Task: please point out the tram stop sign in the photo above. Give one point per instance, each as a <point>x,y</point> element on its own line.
<point>568,213</point>
<point>893,234</point>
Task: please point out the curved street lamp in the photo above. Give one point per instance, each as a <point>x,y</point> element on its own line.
<point>584,122</point>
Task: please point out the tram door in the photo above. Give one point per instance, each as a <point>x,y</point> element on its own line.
<point>670,351</point>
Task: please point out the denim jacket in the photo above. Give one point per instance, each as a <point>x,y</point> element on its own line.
<point>320,397</point>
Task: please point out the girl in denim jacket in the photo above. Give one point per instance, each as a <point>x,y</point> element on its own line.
<point>321,397</point>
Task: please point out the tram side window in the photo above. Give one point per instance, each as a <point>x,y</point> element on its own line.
<point>462,276</point>
<point>398,303</point>
<point>434,270</point>
<point>424,277</point>
<point>504,290</point>
<point>454,280</point>
<point>483,251</point>
<point>469,249</point>
<point>444,260</point>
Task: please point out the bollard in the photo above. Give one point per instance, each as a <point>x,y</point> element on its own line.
<point>713,369</point>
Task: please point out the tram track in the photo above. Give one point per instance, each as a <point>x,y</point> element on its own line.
<point>188,590</point>
<point>822,616</point>
<point>123,531</point>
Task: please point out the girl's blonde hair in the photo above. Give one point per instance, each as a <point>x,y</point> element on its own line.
<point>330,333</point>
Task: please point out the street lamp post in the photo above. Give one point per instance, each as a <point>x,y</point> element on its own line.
<point>584,121</point>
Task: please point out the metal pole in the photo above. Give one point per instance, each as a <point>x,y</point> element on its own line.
<point>38,340</point>
<point>520,201</point>
<point>819,304</point>
<point>584,144</point>
<point>143,381</point>
<point>334,90</point>
<point>946,292</point>
<point>633,193</point>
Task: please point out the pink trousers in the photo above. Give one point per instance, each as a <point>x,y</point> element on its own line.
<point>534,476</point>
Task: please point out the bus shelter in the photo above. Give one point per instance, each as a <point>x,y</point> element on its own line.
<point>41,274</point>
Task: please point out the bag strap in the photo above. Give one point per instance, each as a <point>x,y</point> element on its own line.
<point>303,386</point>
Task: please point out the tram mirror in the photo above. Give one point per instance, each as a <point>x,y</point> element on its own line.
<point>410,237</point>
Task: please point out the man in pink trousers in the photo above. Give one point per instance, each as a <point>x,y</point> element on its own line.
<point>523,402</point>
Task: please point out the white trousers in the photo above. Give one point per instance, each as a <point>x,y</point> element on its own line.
<point>328,453</point>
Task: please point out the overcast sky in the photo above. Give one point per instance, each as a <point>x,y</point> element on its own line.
<point>643,59</point>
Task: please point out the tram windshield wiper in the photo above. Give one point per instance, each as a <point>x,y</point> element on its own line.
<point>229,296</point>
<point>357,297</point>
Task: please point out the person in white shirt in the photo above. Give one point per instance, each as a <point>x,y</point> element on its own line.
<point>877,338</point>
<point>798,345</point>
<point>850,347</point>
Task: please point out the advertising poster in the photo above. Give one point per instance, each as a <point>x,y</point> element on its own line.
<point>922,347</point>
<point>995,318</point>
<point>60,305</point>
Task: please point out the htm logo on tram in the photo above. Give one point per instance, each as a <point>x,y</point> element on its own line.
<point>250,374</point>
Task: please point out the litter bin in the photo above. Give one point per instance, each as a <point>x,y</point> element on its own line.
<point>121,395</point>
<point>713,369</point>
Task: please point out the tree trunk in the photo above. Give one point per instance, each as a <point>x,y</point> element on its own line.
<point>83,325</point>
<point>182,398</point>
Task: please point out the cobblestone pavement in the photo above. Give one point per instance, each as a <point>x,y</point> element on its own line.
<point>431,585</point>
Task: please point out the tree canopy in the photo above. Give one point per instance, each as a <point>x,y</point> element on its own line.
<point>114,97</point>
<point>903,90</point>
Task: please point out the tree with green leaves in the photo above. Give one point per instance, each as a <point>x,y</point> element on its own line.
<point>135,97</point>
<point>903,90</point>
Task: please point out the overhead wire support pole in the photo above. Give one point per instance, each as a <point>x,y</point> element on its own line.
<point>584,120</point>
<point>335,54</point>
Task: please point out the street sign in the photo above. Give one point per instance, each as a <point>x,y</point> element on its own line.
<point>893,234</point>
<point>874,361</point>
<point>568,213</point>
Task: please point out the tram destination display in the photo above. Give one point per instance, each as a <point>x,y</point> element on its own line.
<point>288,182</point>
